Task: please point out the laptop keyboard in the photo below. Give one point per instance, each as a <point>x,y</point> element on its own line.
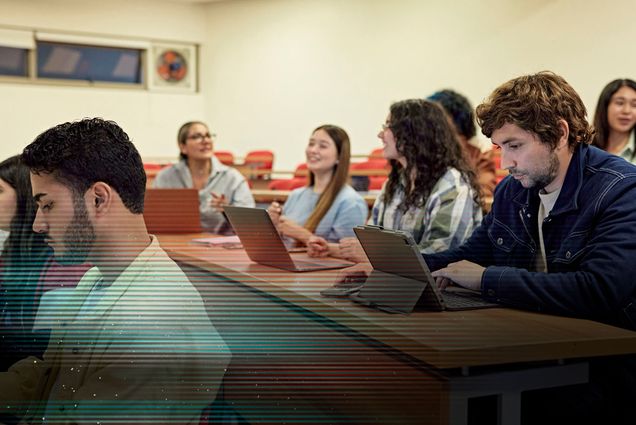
<point>307,264</point>
<point>464,301</point>
<point>304,265</point>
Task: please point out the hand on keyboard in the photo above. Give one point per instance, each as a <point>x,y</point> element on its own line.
<point>342,289</point>
<point>357,273</point>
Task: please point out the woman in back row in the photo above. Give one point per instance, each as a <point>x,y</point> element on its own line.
<point>198,168</point>
<point>615,119</point>
<point>327,206</point>
<point>431,191</point>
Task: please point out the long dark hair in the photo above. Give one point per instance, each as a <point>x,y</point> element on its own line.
<point>24,253</point>
<point>339,178</point>
<point>601,123</point>
<point>425,137</point>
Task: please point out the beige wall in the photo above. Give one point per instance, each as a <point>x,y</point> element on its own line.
<point>275,69</point>
<point>272,70</point>
<point>151,119</point>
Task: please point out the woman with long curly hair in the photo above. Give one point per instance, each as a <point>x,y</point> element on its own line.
<point>431,191</point>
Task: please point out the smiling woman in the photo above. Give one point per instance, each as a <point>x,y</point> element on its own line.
<point>615,119</point>
<point>327,207</point>
<point>431,191</point>
<point>198,168</point>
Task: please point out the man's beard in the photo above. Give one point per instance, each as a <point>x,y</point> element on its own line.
<point>79,237</point>
<point>547,177</point>
<point>543,177</point>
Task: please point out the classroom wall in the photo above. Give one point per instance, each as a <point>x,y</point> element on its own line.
<point>151,119</point>
<point>272,70</point>
<point>276,69</point>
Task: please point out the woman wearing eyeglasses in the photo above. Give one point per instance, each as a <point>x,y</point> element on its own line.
<point>431,191</point>
<point>198,168</point>
<point>615,119</point>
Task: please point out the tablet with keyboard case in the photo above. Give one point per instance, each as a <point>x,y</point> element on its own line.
<point>400,279</point>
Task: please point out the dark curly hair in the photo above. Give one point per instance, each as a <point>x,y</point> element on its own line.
<point>459,109</point>
<point>601,124</point>
<point>84,152</point>
<point>536,103</point>
<point>425,137</point>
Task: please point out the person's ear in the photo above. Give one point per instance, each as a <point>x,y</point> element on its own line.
<point>182,148</point>
<point>565,134</point>
<point>101,196</point>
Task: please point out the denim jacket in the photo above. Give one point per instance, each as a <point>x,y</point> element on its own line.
<point>589,237</point>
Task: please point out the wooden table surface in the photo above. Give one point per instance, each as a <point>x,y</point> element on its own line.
<point>441,339</point>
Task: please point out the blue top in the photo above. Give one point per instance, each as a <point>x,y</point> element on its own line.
<point>347,211</point>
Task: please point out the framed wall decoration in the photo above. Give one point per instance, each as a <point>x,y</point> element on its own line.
<point>172,67</point>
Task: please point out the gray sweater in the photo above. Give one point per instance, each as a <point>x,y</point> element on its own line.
<point>223,180</point>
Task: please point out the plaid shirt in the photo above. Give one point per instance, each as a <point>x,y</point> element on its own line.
<point>446,219</point>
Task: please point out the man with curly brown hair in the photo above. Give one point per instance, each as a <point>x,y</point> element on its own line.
<point>561,236</point>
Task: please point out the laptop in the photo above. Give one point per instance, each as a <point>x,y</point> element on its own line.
<point>172,211</point>
<point>400,279</point>
<point>263,243</point>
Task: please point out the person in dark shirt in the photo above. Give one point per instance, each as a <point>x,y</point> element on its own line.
<point>23,261</point>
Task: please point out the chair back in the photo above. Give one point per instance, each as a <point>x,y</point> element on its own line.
<point>226,157</point>
<point>377,153</point>
<point>261,161</point>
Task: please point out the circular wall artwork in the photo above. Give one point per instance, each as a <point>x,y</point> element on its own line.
<point>172,66</point>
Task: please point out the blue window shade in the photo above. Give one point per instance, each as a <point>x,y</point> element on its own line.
<point>13,61</point>
<point>88,63</point>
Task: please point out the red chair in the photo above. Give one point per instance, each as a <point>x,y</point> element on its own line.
<point>152,169</point>
<point>299,180</point>
<point>381,165</point>
<point>152,166</point>
<point>500,173</point>
<point>301,170</point>
<point>226,157</point>
<point>363,181</point>
<point>376,182</point>
<point>376,154</point>
<point>261,161</point>
<point>287,184</point>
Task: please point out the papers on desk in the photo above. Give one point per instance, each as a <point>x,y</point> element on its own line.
<point>228,242</point>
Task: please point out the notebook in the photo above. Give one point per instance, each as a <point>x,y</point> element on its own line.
<point>172,211</point>
<point>263,244</point>
<point>400,279</point>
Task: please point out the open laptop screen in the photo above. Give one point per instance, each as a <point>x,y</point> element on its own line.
<point>172,211</point>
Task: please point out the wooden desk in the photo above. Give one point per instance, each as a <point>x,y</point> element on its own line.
<point>299,357</point>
